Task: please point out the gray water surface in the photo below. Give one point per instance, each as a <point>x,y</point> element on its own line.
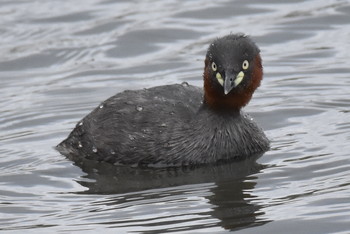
<point>60,59</point>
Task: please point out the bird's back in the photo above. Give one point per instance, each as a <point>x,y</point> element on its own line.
<point>133,127</point>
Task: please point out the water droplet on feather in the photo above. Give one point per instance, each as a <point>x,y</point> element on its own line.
<point>131,137</point>
<point>184,84</point>
<point>94,149</point>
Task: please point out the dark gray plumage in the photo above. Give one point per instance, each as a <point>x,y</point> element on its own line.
<point>177,125</point>
<point>158,127</point>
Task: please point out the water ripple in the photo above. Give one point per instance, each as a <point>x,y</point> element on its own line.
<point>59,61</point>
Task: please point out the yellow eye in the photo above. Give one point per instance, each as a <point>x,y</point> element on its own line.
<point>213,66</point>
<point>245,65</point>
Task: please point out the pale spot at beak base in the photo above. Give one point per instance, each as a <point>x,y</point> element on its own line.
<point>219,78</point>
<point>239,78</point>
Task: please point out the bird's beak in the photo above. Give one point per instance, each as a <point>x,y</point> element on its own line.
<point>232,80</point>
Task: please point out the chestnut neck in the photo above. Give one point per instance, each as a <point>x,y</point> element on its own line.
<point>215,98</point>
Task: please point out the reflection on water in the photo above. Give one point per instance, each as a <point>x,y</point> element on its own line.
<point>223,188</point>
<point>59,61</point>
<point>109,179</point>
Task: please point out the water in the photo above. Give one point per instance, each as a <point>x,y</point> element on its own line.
<point>61,59</point>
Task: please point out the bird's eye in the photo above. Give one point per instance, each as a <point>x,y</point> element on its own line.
<point>245,65</point>
<point>213,66</point>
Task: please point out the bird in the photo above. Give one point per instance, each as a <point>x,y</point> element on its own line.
<point>180,124</point>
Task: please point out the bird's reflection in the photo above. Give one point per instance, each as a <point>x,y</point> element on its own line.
<point>229,196</point>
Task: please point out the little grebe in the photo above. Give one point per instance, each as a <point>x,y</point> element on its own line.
<point>174,125</point>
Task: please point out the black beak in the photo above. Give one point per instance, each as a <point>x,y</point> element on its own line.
<point>229,82</point>
<point>232,80</point>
